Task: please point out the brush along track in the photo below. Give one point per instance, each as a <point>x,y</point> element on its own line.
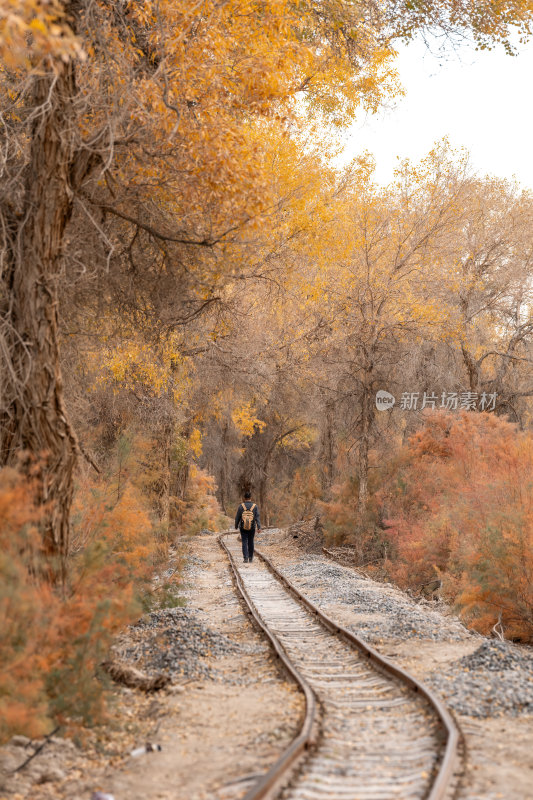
<point>371,731</point>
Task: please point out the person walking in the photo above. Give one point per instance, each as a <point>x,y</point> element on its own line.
<point>247,520</point>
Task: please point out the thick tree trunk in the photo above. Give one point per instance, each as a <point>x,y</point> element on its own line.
<point>179,481</point>
<point>162,484</point>
<point>263,501</point>
<point>264,478</point>
<point>263,483</point>
<point>33,412</point>
<point>328,447</point>
<point>223,481</point>
<point>364,446</point>
<point>472,368</point>
<point>362,467</point>
<point>180,472</point>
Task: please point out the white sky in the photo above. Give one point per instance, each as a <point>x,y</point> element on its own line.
<point>481,100</point>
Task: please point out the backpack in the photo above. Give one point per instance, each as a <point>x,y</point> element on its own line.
<point>247,519</point>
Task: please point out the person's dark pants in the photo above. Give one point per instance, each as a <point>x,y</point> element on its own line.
<point>248,544</point>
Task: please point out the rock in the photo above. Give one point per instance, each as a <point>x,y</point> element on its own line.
<point>134,678</point>
<point>174,688</point>
<point>20,741</point>
<point>145,748</point>
<point>496,678</point>
<point>9,760</point>
<point>51,775</point>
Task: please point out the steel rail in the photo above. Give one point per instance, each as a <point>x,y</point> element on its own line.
<point>445,773</point>
<point>454,735</point>
<point>280,771</point>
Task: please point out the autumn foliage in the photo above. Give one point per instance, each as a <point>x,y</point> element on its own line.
<point>462,494</point>
<point>195,295</point>
<point>52,641</point>
<point>198,509</point>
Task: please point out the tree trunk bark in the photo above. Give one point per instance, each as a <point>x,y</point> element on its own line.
<point>328,447</point>
<point>162,484</point>
<point>364,445</point>
<point>33,414</point>
<point>223,485</point>
<point>263,507</point>
<point>472,368</point>
<point>264,484</point>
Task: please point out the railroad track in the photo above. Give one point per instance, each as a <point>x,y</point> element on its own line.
<point>371,731</point>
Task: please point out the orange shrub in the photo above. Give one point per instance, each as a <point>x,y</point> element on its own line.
<point>199,508</point>
<point>368,539</point>
<point>462,493</point>
<point>26,608</point>
<point>51,642</point>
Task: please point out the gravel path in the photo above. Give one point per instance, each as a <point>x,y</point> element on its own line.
<point>183,642</point>
<point>176,641</point>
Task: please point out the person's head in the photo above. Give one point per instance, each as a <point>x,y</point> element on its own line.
<point>247,495</point>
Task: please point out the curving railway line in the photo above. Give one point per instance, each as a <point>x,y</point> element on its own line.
<point>371,731</point>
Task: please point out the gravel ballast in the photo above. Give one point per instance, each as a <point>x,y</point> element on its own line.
<point>495,679</point>
<point>393,615</point>
<point>176,642</point>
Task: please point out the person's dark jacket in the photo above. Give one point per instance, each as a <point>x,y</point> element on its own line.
<point>238,516</point>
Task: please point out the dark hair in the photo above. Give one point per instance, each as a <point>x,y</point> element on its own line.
<point>247,495</point>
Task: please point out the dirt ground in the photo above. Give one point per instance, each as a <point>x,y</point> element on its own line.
<point>216,738</point>
<point>215,735</point>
